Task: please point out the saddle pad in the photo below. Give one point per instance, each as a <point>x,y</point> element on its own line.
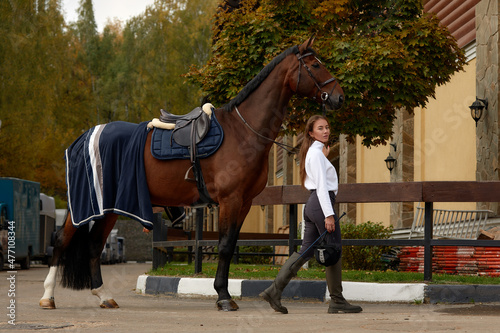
<point>164,148</point>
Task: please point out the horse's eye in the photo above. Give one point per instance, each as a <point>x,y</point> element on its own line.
<point>315,65</point>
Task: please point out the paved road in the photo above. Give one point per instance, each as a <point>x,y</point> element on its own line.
<point>78,311</point>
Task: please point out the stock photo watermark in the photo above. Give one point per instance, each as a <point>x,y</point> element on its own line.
<point>11,273</point>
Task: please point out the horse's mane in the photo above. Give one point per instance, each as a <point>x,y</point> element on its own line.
<point>259,78</point>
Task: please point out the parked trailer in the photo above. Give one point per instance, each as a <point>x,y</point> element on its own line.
<point>27,223</point>
<point>20,208</point>
<point>4,227</point>
<point>60,217</point>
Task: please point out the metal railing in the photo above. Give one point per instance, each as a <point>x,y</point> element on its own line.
<point>451,224</point>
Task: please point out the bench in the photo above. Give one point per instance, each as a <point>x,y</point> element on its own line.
<point>451,224</point>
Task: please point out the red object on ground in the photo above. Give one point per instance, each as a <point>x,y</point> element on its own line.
<point>460,260</point>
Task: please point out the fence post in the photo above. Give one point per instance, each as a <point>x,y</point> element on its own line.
<point>292,231</point>
<point>428,229</point>
<point>159,234</point>
<point>198,255</point>
<point>190,249</point>
<point>236,255</point>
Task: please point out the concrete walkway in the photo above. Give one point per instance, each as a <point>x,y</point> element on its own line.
<point>79,311</point>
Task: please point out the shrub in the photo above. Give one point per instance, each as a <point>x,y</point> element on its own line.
<point>255,259</point>
<point>364,257</point>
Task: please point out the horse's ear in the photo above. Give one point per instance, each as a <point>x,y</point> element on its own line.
<point>311,41</point>
<point>307,44</point>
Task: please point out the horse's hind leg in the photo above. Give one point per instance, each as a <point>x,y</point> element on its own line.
<point>63,238</point>
<point>98,236</point>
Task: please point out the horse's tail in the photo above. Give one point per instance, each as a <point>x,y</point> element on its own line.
<point>75,260</point>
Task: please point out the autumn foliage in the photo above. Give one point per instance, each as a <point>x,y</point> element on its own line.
<point>57,79</point>
<point>386,54</point>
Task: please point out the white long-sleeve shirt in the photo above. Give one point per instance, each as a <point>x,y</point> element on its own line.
<point>321,176</point>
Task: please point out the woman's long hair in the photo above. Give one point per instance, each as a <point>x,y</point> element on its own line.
<point>306,143</point>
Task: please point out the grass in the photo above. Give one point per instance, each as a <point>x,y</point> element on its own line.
<point>269,272</point>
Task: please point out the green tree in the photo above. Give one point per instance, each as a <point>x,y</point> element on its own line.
<point>56,81</point>
<point>86,31</point>
<point>386,54</point>
<point>160,46</point>
<point>18,70</point>
<point>39,96</point>
<point>110,81</point>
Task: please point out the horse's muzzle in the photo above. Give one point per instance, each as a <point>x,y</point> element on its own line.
<point>334,102</point>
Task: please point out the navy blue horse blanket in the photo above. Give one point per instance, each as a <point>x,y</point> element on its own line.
<point>105,174</point>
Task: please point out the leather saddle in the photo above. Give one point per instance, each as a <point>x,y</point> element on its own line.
<point>189,129</point>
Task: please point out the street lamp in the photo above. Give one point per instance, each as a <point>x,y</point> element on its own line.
<point>390,161</point>
<point>476,109</point>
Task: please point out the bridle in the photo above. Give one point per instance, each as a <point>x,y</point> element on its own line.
<point>324,97</point>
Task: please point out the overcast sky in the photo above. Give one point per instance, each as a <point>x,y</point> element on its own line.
<point>104,9</point>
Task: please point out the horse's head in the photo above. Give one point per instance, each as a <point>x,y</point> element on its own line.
<point>313,79</point>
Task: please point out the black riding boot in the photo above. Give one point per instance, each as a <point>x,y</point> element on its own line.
<point>334,282</point>
<point>286,273</point>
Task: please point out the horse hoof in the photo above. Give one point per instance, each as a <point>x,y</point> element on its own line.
<point>47,303</point>
<point>109,304</point>
<point>227,305</point>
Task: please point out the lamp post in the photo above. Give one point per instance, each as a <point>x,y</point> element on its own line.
<point>476,109</point>
<point>390,161</point>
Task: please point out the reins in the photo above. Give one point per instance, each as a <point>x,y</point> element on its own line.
<point>324,97</point>
<point>279,144</point>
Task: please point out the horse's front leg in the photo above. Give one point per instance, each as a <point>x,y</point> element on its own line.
<point>231,217</point>
<point>98,236</point>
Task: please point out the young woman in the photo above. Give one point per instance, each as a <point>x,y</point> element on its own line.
<point>318,176</point>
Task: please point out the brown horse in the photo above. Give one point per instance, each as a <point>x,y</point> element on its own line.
<point>234,175</point>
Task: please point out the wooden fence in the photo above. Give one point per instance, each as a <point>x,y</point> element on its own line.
<point>292,195</point>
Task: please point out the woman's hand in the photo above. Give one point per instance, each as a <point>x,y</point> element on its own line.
<point>330,223</point>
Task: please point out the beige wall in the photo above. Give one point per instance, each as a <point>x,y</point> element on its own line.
<point>446,145</point>
<point>254,221</point>
<point>371,168</point>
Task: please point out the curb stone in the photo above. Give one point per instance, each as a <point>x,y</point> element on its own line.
<point>317,290</point>
<point>462,293</point>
